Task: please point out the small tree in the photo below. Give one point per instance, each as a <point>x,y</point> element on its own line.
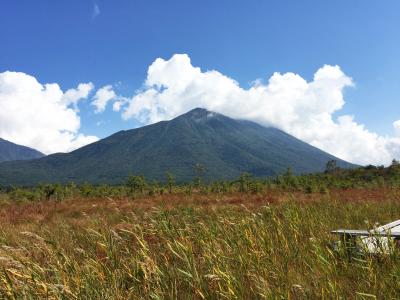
<point>48,190</point>
<point>136,184</point>
<point>331,167</point>
<point>170,181</point>
<point>199,170</point>
<point>86,189</point>
<point>244,182</point>
<point>291,181</point>
<point>154,188</point>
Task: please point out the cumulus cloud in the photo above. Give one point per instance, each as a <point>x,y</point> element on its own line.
<point>287,101</point>
<point>102,97</point>
<point>73,96</point>
<point>119,103</point>
<point>105,95</point>
<point>41,116</point>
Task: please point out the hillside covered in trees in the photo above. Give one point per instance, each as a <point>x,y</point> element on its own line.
<point>224,146</point>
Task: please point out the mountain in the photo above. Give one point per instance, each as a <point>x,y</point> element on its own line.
<point>10,151</point>
<point>225,146</point>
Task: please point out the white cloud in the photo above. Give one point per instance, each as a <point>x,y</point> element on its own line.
<point>105,95</point>
<point>118,104</point>
<point>396,126</point>
<point>102,97</point>
<point>73,96</point>
<point>41,116</point>
<point>95,11</point>
<point>287,101</point>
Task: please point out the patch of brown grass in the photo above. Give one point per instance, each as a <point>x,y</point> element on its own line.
<point>273,244</point>
<point>78,209</point>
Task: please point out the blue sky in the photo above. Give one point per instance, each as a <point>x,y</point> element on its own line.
<point>114,42</point>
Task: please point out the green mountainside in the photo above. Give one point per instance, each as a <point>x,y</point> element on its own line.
<point>10,151</point>
<point>224,146</point>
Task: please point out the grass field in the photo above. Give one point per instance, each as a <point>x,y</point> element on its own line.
<point>204,246</point>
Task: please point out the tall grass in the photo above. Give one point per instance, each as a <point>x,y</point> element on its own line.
<point>214,251</point>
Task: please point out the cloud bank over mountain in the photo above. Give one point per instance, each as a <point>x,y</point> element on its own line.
<point>44,117</point>
<point>287,101</point>
<point>41,116</point>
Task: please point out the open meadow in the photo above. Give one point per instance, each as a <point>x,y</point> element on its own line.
<point>201,150</point>
<point>203,245</point>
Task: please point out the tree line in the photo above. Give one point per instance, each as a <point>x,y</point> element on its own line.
<point>138,186</point>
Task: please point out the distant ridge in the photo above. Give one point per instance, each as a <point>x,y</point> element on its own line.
<point>225,147</point>
<point>10,151</point>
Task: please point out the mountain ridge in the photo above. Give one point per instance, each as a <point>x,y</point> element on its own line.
<point>226,147</point>
<point>10,151</point>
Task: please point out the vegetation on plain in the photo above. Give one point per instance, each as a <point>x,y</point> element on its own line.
<point>249,238</point>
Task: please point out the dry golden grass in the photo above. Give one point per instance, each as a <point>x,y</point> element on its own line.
<point>205,246</point>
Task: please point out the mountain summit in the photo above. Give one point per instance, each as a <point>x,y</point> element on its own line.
<point>10,151</point>
<point>224,146</point>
